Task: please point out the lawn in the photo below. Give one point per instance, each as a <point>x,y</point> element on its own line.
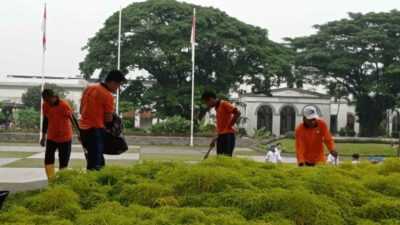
<point>16,154</point>
<point>347,149</point>
<point>221,191</point>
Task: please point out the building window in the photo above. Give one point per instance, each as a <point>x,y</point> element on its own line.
<point>334,124</point>
<point>288,119</point>
<point>395,125</point>
<point>264,118</point>
<point>351,120</point>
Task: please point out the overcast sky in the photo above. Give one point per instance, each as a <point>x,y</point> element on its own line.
<point>72,22</point>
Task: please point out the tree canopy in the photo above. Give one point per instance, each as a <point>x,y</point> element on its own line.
<point>361,55</point>
<point>156,38</point>
<point>32,97</point>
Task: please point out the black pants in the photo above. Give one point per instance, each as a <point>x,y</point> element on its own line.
<point>93,141</point>
<point>64,153</point>
<point>225,144</point>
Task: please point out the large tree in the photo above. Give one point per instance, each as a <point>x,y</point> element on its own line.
<point>32,97</point>
<point>156,38</point>
<point>360,54</point>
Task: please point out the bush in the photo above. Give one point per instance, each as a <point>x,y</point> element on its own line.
<point>221,191</point>
<point>261,134</point>
<point>172,126</point>
<point>347,132</point>
<point>207,129</point>
<point>128,123</point>
<point>381,209</point>
<point>28,119</point>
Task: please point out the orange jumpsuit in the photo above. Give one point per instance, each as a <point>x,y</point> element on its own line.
<point>309,143</point>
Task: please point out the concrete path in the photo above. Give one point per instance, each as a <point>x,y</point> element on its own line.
<point>21,149</point>
<point>80,155</point>
<point>21,175</point>
<point>4,161</point>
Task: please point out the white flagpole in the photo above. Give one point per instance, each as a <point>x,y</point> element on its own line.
<point>119,53</point>
<point>43,67</point>
<point>193,67</point>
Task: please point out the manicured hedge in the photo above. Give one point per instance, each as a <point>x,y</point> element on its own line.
<point>219,192</point>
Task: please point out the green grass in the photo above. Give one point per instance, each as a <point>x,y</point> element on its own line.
<point>16,154</point>
<point>219,190</point>
<point>347,149</point>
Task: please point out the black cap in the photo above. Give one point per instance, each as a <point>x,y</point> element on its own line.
<point>116,75</point>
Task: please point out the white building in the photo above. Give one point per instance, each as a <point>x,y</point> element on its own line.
<point>12,87</point>
<point>282,112</point>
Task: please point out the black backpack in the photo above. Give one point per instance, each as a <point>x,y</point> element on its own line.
<point>114,141</point>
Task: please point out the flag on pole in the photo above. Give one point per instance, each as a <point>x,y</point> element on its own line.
<point>44,38</point>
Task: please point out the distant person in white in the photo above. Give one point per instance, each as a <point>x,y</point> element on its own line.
<point>273,155</point>
<point>332,160</point>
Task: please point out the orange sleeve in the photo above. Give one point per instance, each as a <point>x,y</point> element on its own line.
<point>300,149</point>
<point>109,104</point>
<point>328,139</point>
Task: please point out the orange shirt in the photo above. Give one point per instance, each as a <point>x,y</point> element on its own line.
<point>59,121</point>
<point>225,112</point>
<point>309,143</point>
<point>96,101</point>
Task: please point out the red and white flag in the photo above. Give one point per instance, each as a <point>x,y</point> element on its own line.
<point>193,36</point>
<point>44,38</point>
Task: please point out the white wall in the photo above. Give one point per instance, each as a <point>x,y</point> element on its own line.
<point>344,109</point>
<point>14,94</point>
<point>277,103</point>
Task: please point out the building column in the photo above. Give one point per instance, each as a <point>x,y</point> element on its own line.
<point>299,120</point>
<point>276,124</point>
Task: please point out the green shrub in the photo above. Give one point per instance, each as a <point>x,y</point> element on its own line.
<point>390,166</point>
<point>172,126</point>
<point>27,118</point>
<point>387,185</point>
<point>57,200</point>
<point>220,190</point>
<point>381,209</point>
<point>147,194</point>
<point>128,123</point>
<point>261,134</point>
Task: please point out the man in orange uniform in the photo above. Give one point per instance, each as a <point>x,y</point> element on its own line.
<point>310,137</point>
<point>227,115</point>
<point>97,108</point>
<point>57,125</point>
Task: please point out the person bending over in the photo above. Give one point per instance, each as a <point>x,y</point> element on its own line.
<point>56,132</point>
<point>227,115</point>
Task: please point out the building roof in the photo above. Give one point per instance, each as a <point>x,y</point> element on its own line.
<point>29,81</point>
<point>291,93</point>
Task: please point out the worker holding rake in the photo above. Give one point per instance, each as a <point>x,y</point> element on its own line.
<point>227,116</point>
